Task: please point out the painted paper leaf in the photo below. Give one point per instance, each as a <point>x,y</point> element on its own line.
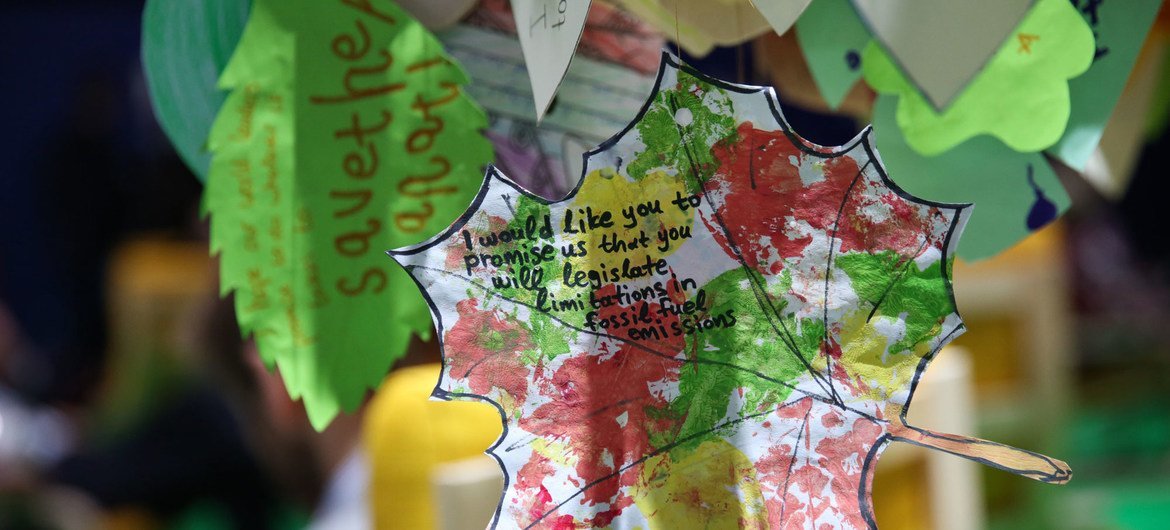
<point>1021,96</point>
<point>185,46</point>
<point>345,133</point>
<point>720,327</point>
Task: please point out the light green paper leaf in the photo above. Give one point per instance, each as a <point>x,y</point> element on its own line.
<point>1020,97</point>
<point>828,32</point>
<point>1120,29</point>
<point>982,171</point>
<point>345,134</point>
<point>185,46</point>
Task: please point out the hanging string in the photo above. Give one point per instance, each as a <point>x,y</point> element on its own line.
<point>739,53</point>
<point>677,38</point>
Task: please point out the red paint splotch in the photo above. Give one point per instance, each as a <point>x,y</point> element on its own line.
<point>489,351</point>
<point>765,198</point>
<point>843,458</point>
<point>815,478</point>
<point>602,407</point>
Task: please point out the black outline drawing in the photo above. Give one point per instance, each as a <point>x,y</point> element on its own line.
<point>960,213</point>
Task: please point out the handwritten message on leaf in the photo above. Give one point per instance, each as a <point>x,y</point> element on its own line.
<point>346,133</point>
<point>720,327</point>
<point>1021,96</point>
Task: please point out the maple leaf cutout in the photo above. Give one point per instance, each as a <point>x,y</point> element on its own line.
<point>722,326</point>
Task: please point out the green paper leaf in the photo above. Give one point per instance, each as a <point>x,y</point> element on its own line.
<point>982,171</point>
<point>185,46</point>
<point>1120,29</point>
<point>346,133</point>
<point>832,37</point>
<point>1020,97</point>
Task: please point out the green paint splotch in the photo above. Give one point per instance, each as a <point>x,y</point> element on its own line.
<point>752,344</point>
<point>679,129</point>
<point>900,290</point>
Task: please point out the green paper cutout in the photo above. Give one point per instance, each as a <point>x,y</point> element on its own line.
<point>345,134</point>
<point>1120,28</point>
<point>982,171</point>
<point>185,46</point>
<point>1020,97</point>
<point>828,31</point>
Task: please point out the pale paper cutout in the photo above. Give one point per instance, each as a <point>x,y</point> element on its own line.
<point>941,44</point>
<point>548,31</point>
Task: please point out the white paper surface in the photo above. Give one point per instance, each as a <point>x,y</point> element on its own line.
<point>549,31</point>
<point>781,14</point>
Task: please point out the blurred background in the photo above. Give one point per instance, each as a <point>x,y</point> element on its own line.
<point>129,401</point>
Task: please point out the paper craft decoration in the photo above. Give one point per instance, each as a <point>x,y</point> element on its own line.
<point>604,86</point>
<point>438,14</point>
<point>345,133</point>
<point>832,38</point>
<point>781,14</point>
<point>611,34</point>
<point>721,327</point>
<point>942,44</point>
<point>1014,193</point>
<point>1020,97</point>
<point>700,25</point>
<point>1119,28</point>
<point>548,31</point>
<point>185,45</point>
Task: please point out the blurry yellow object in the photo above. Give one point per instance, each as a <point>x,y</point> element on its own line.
<point>407,437</point>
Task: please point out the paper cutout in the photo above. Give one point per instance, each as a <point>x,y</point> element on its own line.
<point>549,31</point>
<point>700,25</point>
<point>781,14</point>
<point>720,327</point>
<point>1020,97</point>
<point>942,45</point>
<point>358,142</point>
<point>1014,193</point>
<point>832,38</point>
<point>185,45</point>
<point>595,99</point>
<point>1120,28</point>
<point>611,35</point>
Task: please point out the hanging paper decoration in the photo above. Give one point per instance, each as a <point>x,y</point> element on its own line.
<point>781,14</point>
<point>721,327</point>
<point>1020,97</point>
<point>605,85</point>
<point>1120,29</point>
<point>345,133</point>
<point>700,25</point>
<point>185,45</point>
<point>942,44</point>
<point>1014,193</point>
<point>548,31</point>
<point>832,38</point>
